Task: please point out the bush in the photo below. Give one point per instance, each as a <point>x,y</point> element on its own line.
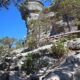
<point>72,36</point>
<point>62,40</point>
<point>58,49</point>
<point>29,64</point>
<point>34,62</point>
<point>31,42</point>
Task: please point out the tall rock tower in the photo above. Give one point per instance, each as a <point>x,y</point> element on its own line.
<point>35,7</point>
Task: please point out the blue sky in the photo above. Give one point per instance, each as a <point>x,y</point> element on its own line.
<point>11,23</point>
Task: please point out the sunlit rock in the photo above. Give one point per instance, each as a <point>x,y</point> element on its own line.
<point>74,44</point>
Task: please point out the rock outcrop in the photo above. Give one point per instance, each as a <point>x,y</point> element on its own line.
<point>49,68</point>
<point>74,44</point>
<point>69,70</point>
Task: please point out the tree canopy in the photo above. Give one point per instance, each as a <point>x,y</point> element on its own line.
<point>7,41</point>
<point>67,6</point>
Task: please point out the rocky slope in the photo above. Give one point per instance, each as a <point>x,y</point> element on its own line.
<point>65,68</point>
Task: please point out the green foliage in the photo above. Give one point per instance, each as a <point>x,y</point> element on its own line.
<point>67,6</point>
<point>58,49</point>
<point>26,2</point>
<point>31,22</point>
<point>72,36</point>
<point>29,63</point>
<point>31,42</point>
<point>6,44</point>
<point>19,44</point>
<point>29,60</point>
<point>62,40</point>
<point>37,27</point>
<point>34,62</point>
<point>24,11</point>
<point>1,49</point>
<point>4,3</point>
<point>7,41</point>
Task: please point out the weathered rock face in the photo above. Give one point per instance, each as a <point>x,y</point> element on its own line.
<point>52,76</point>
<point>69,70</point>
<point>74,44</point>
<point>77,75</point>
<point>34,7</point>
<point>34,77</point>
<point>45,62</point>
<point>14,75</point>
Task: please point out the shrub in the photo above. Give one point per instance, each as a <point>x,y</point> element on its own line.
<point>34,62</point>
<point>58,49</point>
<point>29,64</point>
<point>72,36</point>
<point>62,40</point>
<point>31,42</point>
